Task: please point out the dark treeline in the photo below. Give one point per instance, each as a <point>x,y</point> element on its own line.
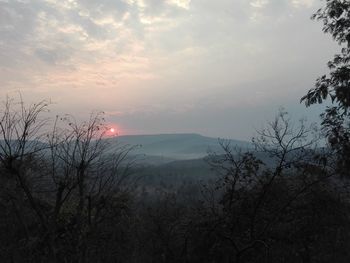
<point>69,195</point>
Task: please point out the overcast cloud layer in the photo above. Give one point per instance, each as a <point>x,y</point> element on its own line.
<point>216,67</point>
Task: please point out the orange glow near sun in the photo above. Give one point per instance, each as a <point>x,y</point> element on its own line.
<point>113,130</point>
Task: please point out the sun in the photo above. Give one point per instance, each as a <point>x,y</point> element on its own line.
<point>113,130</point>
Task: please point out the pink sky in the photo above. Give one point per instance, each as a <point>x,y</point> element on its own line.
<point>219,68</point>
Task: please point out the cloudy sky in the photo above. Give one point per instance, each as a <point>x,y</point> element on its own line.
<point>216,67</point>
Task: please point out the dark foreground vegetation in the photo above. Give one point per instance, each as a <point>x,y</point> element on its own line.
<point>67,196</point>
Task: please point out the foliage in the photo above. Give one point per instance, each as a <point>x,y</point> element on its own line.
<point>335,120</point>
<point>67,197</point>
<point>336,21</point>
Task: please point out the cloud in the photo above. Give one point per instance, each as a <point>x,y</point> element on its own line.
<point>303,3</point>
<point>177,56</point>
<point>180,3</point>
<point>259,3</point>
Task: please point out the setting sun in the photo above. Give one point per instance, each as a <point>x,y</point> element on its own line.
<point>112,130</point>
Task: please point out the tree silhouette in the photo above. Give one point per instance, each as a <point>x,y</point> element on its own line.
<point>336,21</point>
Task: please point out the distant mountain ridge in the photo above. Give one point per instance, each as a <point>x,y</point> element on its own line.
<point>183,146</point>
<point>161,149</point>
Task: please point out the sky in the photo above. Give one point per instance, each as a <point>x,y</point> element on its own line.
<point>221,68</point>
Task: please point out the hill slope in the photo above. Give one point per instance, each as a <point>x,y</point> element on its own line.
<point>175,146</point>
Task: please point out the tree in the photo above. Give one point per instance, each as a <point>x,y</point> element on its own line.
<point>336,21</point>
<point>63,190</point>
<point>336,85</point>
<point>22,130</point>
<point>253,203</point>
<point>88,181</point>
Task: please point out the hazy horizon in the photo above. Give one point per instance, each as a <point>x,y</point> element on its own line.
<point>175,134</point>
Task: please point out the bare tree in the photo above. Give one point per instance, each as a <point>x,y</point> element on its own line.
<point>22,128</point>
<point>91,177</point>
<point>254,197</point>
<point>70,178</point>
